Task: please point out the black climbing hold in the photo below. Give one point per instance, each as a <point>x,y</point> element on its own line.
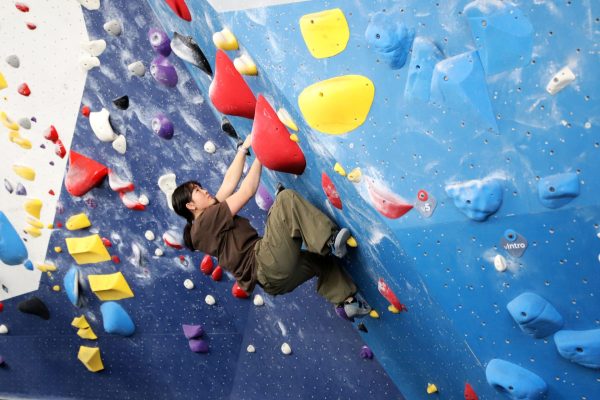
<point>228,128</point>
<point>362,328</point>
<point>280,188</point>
<point>122,102</point>
<point>186,48</point>
<point>34,306</point>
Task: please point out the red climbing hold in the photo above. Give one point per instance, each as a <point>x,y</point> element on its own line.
<point>83,174</point>
<point>387,203</point>
<point>272,144</point>
<point>180,8</point>
<point>85,111</point>
<point>386,292</point>
<point>331,191</point>
<point>106,242</point>
<point>59,148</point>
<point>59,225</point>
<point>118,184</point>
<point>31,26</point>
<point>1,307</point>
<point>24,89</point>
<point>207,265</point>
<point>228,91</point>
<point>217,274</point>
<point>116,259</point>
<point>51,192</point>
<point>470,393</point>
<point>238,292</point>
<point>22,7</point>
<point>131,201</point>
<point>51,134</point>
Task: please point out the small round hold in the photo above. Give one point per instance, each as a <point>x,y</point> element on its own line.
<point>158,252</point>
<point>422,195</point>
<point>56,288</point>
<point>210,147</point>
<point>500,263</point>
<point>286,349</point>
<point>258,300</point>
<point>209,300</point>
<point>137,68</point>
<point>13,61</point>
<point>189,285</point>
<point>162,126</point>
<point>3,329</point>
<point>144,200</point>
<point>250,349</point>
<point>113,27</point>
<point>149,235</point>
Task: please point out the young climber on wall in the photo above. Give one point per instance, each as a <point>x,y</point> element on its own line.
<point>276,261</point>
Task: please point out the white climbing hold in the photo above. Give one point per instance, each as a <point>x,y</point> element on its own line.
<point>286,349</point>
<point>88,62</point>
<point>245,65</point>
<point>90,4</point>
<point>100,122</point>
<point>167,184</point>
<point>560,80</point>
<point>144,200</point>
<point>113,27</point>
<point>258,300</point>
<point>94,47</point>
<point>25,123</point>
<point>13,61</point>
<point>250,349</point>
<point>149,235</point>
<point>209,300</point>
<point>137,68</point>
<point>286,119</point>
<point>120,144</point>
<point>210,147</point>
<point>189,285</point>
<point>500,263</point>
<point>158,252</point>
<point>3,329</point>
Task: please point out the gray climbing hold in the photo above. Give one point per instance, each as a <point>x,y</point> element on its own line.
<point>8,186</point>
<point>21,191</point>
<point>25,123</point>
<point>113,27</point>
<point>13,61</point>
<point>186,48</point>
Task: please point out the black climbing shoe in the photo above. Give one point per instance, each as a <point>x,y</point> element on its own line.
<point>357,308</point>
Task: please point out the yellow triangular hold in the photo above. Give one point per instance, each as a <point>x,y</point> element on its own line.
<point>225,40</point>
<point>34,208</point>
<point>80,322</point>
<point>325,33</point>
<point>87,333</point>
<point>337,105</point>
<point>87,250</point>
<point>7,122</point>
<point>431,388</point>
<point>294,138</point>
<point>3,84</point>
<point>46,267</point>
<point>110,286</point>
<point>339,169</point>
<point>90,357</point>
<point>24,172</point>
<point>374,314</point>
<point>352,242</point>
<point>78,221</point>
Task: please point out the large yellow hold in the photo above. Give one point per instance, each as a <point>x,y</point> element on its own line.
<point>110,286</point>
<point>337,105</point>
<point>88,249</point>
<point>90,357</point>
<point>325,33</point>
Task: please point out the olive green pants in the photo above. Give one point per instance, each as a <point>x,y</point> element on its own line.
<point>282,265</point>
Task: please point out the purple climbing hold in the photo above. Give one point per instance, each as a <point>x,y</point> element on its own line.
<point>163,71</point>
<point>8,186</point>
<point>192,331</point>
<point>34,119</point>
<point>366,352</point>
<point>1,360</point>
<point>263,198</point>
<point>162,126</point>
<point>198,346</point>
<point>160,41</point>
<point>21,191</point>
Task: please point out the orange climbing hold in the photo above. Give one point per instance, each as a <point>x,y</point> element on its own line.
<point>228,91</point>
<point>331,191</point>
<point>388,204</point>
<point>180,8</point>
<point>83,174</point>
<point>271,141</point>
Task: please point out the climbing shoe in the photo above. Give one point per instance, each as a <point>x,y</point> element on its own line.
<point>337,242</point>
<point>357,308</point>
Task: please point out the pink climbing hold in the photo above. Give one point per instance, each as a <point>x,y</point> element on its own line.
<point>271,142</point>
<point>386,292</point>
<point>388,204</point>
<point>118,184</point>
<point>22,7</point>
<point>83,174</point>
<point>229,92</point>
<point>24,90</point>
<point>180,8</point>
<point>331,191</point>
<point>131,201</point>
<point>217,274</point>
<point>207,265</point>
<point>238,292</point>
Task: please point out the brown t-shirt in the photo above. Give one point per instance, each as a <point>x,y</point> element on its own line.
<point>229,238</point>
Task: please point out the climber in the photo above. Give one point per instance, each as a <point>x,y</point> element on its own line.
<point>276,261</point>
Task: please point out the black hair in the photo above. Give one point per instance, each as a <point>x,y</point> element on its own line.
<point>180,197</point>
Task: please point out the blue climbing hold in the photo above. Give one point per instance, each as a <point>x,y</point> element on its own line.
<point>502,33</point>
<point>534,315</point>
<point>461,80</point>
<point>555,191</point>
<point>514,381</point>
<point>390,38</point>
<point>116,319</point>
<point>12,248</point>
<point>581,347</point>
<point>477,199</point>
<point>425,55</point>
<point>28,265</point>
<point>71,285</point>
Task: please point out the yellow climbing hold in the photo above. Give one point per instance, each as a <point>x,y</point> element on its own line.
<point>58,249</point>
<point>35,222</point>
<point>7,122</point>
<point>84,331</point>
<point>87,333</point>
<point>56,288</point>
<point>393,309</point>
<point>33,208</point>
<point>351,242</point>
<point>87,250</point>
<point>90,357</point>
<point>225,40</point>
<point>245,65</point>
<point>325,33</point>
<point>339,169</point>
<point>24,172</point>
<point>286,119</point>
<point>431,388</point>
<point>374,314</point>
<point>3,84</point>
<point>337,105</point>
<point>355,175</point>
<point>110,286</point>
<point>50,226</point>
<point>14,137</point>
<point>46,267</point>
<point>78,221</point>
<point>33,231</point>
<point>294,138</point>
<point>80,322</point>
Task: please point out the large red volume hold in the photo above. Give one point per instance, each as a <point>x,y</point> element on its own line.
<point>228,91</point>
<point>272,144</point>
<point>180,8</point>
<point>331,191</point>
<point>83,174</point>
